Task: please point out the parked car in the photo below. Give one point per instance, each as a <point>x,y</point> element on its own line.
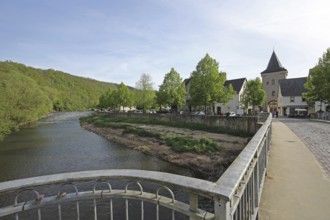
<point>299,113</point>
<point>201,113</point>
<point>150,111</point>
<point>138,111</point>
<point>198,113</point>
<point>231,114</point>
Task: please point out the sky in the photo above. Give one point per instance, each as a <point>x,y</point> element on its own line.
<point>118,40</point>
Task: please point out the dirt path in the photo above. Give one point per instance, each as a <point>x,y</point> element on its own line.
<point>209,166</point>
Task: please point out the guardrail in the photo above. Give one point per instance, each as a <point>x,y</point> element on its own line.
<point>138,194</point>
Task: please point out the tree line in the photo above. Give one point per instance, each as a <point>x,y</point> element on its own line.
<point>205,87</point>
<point>27,94</point>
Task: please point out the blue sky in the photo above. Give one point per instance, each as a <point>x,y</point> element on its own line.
<point>117,41</point>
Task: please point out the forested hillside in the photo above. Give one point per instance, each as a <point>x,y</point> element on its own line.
<point>27,93</point>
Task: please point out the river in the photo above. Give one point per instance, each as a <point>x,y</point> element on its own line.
<point>58,144</point>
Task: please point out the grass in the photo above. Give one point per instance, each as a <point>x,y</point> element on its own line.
<point>188,144</point>
<point>141,132</point>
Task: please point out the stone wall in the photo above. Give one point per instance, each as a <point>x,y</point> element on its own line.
<point>248,124</point>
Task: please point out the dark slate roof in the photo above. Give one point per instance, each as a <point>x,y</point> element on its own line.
<point>293,87</point>
<point>236,83</point>
<point>186,81</point>
<point>274,65</point>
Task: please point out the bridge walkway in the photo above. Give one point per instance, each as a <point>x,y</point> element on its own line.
<point>296,187</point>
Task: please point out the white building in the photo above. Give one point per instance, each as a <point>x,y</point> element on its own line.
<point>234,105</point>
<point>290,96</point>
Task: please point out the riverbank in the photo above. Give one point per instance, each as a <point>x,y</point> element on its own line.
<point>205,166</point>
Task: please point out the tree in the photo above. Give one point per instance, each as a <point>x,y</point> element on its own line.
<point>123,96</point>
<point>21,100</point>
<point>103,101</point>
<point>207,84</point>
<point>144,96</point>
<point>160,99</point>
<point>172,91</point>
<point>318,80</point>
<point>120,97</point>
<point>253,94</point>
<point>27,94</point>
<point>108,100</point>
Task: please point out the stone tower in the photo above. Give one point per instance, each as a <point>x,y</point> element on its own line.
<point>270,82</point>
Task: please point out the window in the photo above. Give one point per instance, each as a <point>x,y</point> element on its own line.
<point>303,99</point>
<point>291,98</point>
<point>273,93</point>
<point>273,81</point>
<point>267,83</point>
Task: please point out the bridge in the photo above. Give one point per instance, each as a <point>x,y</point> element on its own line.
<point>138,194</point>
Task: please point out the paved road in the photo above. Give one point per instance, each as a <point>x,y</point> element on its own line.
<point>315,135</point>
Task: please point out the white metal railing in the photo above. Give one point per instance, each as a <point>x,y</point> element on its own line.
<point>262,117</point>
<point>236,194</point>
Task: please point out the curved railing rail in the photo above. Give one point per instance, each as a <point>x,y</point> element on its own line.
<point>236,195</point>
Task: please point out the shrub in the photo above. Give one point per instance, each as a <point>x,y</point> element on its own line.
<point>189,144</point>
<point>146,150</point>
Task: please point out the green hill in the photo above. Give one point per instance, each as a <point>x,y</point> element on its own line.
<point>27,94</point>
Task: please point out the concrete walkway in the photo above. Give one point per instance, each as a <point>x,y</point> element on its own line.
<point>295,187</point>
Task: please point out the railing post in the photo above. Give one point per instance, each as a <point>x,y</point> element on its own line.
<point>257,183</point>
<point>193,202</point>
<point>222,210</point>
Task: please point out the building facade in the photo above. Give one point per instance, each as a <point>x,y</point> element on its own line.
<point>290,96</point>
<point>235,104</point>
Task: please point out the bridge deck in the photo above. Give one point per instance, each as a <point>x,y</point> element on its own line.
<point>296,187</point>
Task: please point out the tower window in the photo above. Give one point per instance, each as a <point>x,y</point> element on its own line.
<point>273,93</point>
<point>273,81</point>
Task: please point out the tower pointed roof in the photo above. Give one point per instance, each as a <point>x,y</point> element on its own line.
<point>274,65</point>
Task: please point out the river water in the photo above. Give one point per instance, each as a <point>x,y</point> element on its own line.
<point>58,144</point>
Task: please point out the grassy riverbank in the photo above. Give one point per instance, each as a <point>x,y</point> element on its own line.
<point>178,143</point>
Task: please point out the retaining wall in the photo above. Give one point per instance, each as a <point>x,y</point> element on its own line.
<point>248,124</point>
